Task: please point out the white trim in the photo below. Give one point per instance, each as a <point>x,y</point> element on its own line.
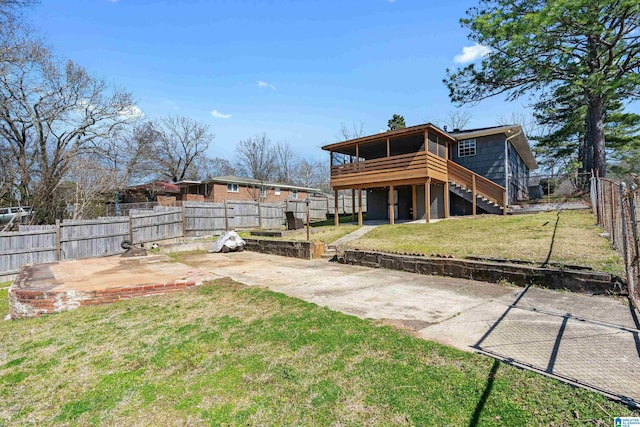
<point>276,191</point>
<point>232,188</point>
<point>294,194</point>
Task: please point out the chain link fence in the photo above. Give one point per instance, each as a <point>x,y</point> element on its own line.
<point>616,208</point>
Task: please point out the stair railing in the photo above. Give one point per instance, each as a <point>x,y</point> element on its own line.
<point>479,185</point>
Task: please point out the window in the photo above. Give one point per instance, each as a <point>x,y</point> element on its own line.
<point>263,192</point>
<point>232,188</point>
<point>467,148</point>
<point>294,194</point>
<point>276,191</point>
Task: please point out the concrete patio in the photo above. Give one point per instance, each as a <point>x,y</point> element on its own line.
<point>588,341</point>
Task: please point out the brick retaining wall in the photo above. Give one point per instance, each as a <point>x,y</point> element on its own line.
<point>32,303</point>
<point>522,275</point>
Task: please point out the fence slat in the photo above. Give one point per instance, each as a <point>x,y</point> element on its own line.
<point>25,247</point>
<point>144,223</point>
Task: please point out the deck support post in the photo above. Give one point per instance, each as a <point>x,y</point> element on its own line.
<point>392,204</point>
<point>446,199</point>
<point>473,191</point>
<point>360,207</point>
<point>427,200</point>
<point>353,204</point>
<point>335,212</point>
<point>414,202</point>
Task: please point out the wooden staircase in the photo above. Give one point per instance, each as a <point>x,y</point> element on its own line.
<point>481,201</point>
<point>476,189</point>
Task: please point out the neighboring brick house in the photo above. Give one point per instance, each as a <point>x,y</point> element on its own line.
<point>148,192</point>
<point>232,187</point>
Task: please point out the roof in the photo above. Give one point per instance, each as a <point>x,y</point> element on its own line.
<point>389,134</point>
<point>157,186</point>
<point>513,133</point>
<point>241,180</point>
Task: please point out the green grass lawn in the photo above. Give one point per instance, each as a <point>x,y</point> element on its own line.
<point>226,354</point>
<point>323,234</point>
<point>4,301</point>
<point>343,219</point>
<point>524,237</point>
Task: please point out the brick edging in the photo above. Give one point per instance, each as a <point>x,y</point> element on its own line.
<point>522,275</point>
<point>23,303</point>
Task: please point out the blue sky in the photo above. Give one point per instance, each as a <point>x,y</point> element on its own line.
<point>291,69</point>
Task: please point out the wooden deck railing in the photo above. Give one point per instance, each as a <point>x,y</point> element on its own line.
<point>402,167</point>
<point>484,187</point>
<point>414,166</point>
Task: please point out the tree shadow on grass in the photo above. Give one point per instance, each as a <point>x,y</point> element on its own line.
<point>475,418</point>
<point>553,239</point>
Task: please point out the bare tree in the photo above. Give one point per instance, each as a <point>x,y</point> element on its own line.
<point>10,10</point>
<point>51,112</point>
<point>286,160</point>
<point>526,121</point>
<point>14,33</point>
<point>207,168</point>
<point>89,181</point>
<point>9,174</point>
<point>456,119</point>
<point>309,173</point>
<point>346,133</point>
<point>179,142</point>
<point>256,158</point>
<point>129,154</point>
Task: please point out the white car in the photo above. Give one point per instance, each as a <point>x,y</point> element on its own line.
<point>21,212</point>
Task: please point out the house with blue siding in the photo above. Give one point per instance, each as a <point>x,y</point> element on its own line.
<point>423,172</point>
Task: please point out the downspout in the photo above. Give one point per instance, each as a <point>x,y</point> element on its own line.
<point>506,162</point>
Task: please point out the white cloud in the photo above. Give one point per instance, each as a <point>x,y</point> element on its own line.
<point>132,112</point>
<point>218,115</point>
<point>263,85</point>
<point>471,53</point>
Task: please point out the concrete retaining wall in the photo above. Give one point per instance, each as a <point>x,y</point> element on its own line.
<point>522,275</point>
<point>198,245</point>
<point>292,249</point>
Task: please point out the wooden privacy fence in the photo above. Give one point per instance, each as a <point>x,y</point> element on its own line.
<point>73,239</point>
<point>77,239</point>
<point>26,247</point>
<point>320,206</point>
